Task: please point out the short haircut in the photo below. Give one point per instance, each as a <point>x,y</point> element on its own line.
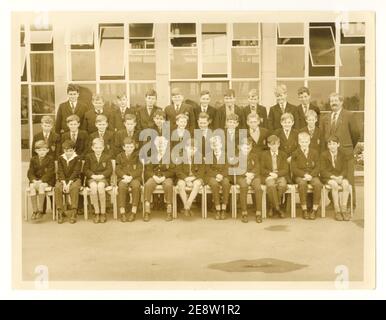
<point>128,140</point>
<point>272,139</point>
<point>97,97</point>
<point>230,93</point>
<point>47,120</point>
<point>73,117</point>
<point>335,94</point>
<point>121,96</point>
<point>311,113</point>
<point>303,90</point>
<point>151,92</point>
<point>72,87</point>
<point>204,92</point>
<point>253,115</point>
<point>203,115</point>
<point>252,92</point>
<point>281,88</point>
<point>68,144</point>
<point>98,141</point>
<point>333,138</point>
<point>159,113</point>
<point>100,118</point>
<point>40,144</point>
<point>130,116</point>
<point>287,115</point>
<point>232,116</point>
<point>303,135</point>
<point>182,115</point>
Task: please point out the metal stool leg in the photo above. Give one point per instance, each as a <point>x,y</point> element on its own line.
<point>85,204</point>
<point>264,204</point>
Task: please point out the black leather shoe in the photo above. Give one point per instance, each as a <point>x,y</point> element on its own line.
<point>338,216</point>
<point>131,217</point>
<point>259,219</point>
<point>146,217</point>
<point>60,217</point>
<point>223,215</point>
<point>244,218</point>
<point>123,217</point>
<point>73,216</point>
<point>313,215</point>
<point>103,218</point>
<point>346,216</point>
<point>306,215</point>
<point>96,218</point>
<point>218,215</point>
<point>38,215</point>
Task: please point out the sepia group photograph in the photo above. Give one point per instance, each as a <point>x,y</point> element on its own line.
<point>193,150</point>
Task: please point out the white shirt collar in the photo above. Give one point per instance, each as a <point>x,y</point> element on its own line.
<point>68,160</point>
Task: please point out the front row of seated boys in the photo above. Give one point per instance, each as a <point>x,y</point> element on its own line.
<point>273,167</point>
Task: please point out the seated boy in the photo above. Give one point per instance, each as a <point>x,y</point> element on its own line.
<point>288,135</point>
<point>216,176</point>
<point>79,137</point>
<point>333,171</point>
<point>129,171</point>
<point>159,173</point>
<point>89,117</point>
<point>51,138</point>
<point>274,172</point>
<point>305,167</point>
<point>251,177</point>
<point>129,131</point>
<point>41,174</point>
<point>98,170</point>
<point>68,181</point>
<point>189,175</point>
<point>106,135</point>
<point>311,128</point>
<point>258,135</point>
<point>119,112</point>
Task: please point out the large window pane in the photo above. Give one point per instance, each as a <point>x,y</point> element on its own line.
<point>322,46</point>
<point>353,32</point>
<point>216,90</point>
<point>110,92</point>
<point>353,92</point>
<point>292,90</point>
<point>141,30</point>
<point>183,64</point>
<point>290,61</point>
<point>82,36</point>
<point>245,63</point>
<point>190,90</point>
<point>83,65</point>
<point>183,29</point>
<point>246,31</point>
<point>43,99</point>
<point>291,30</point>
<point>242,89</point>
<point>41,40</point>
<point>137,93</point>
<point>320,92</point>
<point>142,65</point>
<point>353,61</point>
<point>42,67</point>
<point>214,54</point>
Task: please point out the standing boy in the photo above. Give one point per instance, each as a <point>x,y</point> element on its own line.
<point>254,108</point>
<point>106,135</point>
<point>205,107</point>
<point>287,135</point>
<point>90,116</point>
<point>51,138</point>
<point>313,130</point>
<point>118,114</point>
<point>305,106</point>
<point>229,107</point>
<point>257,134</point>
<point>78,137</point>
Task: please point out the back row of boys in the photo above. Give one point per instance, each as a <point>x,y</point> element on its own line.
<point>96,138</point>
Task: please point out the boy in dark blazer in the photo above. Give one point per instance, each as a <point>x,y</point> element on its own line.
<point>119,112</point>
<point>254,107</point>
<point>177,107</point>
<point>106,135</point>
<point>48,136</point>
<point>90,116</point>
<point>130,131</point>
<point>229,107</point>
<point>205,107</point>
<point>305,167</point>
<point>257,134</point>
<point>313,130</point>
<point>68,181</point>
<point>305,106</point>
<point>79,137</point>
<point>159,172</point>
<point>231,135</point>
<point>282,106</point>
<point>145,114</point>
<point>287,135</point>
<point>204,134</point>
<point>71,107</point>
<point>129,171</point>
<point>98,170</point>
<point>217,177</point>
<point>274,170</point>
<point>333,171</point>
<point>41,174</point>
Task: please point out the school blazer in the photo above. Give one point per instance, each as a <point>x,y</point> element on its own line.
<point>315,138</point>
<point>211,111</point>
<point>185,170</point>
<point>275,115</point>
<point>144,120</point>
<point>266,165</point>
<point>221,117</point>
<point>288,146</point>
<point>89,120</point>
<point>160,170</point>
<point>53,143</point>
<point>347,130</point>
<point>108,139</point>
<point>129,165</point>
<point>261,144</point>
<point>65,111</point>
<point>43,169</point>
<point>326,168</point>
<point>117,118</point>
<point>121,135</point>
<point>70,171</point>
<point>81,143</point>
<point>261,111</point>
<point>103,166</point>
<point>253,165</point>
<point>300,165</point>
<point>301,117</point>
<point>184,108</point>
<point>233,141</point>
